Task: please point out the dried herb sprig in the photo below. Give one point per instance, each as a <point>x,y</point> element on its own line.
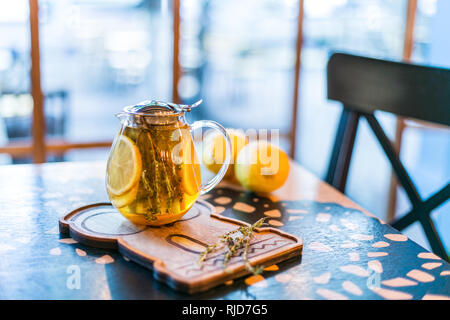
<point>233,246</point>
<point>219,244</point>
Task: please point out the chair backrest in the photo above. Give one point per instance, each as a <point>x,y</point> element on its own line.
<point>367,84</point>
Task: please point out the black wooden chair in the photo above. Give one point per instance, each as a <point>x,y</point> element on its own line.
<point>364,85</point>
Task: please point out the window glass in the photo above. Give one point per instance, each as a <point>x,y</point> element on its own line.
<point>427,150</point>
<point>372,28</point>
<point>99,56</point>
<point>239,56</point>
<point>16,104</point>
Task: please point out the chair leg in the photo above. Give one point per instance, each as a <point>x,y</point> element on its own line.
<point>433,237</point>
<point>397,166</point>
<point>438,198</point>
<point>405,221</point>
<point>422,214</point>
<point>342,150</point>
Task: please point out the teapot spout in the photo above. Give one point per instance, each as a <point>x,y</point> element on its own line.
<point>122,116</point>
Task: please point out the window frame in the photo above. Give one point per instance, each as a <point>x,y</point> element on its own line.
<point>40,146</point>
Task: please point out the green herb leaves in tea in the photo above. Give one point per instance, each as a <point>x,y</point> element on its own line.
<point>159,177</point>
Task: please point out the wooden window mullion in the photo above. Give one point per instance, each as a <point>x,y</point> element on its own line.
<point>408,44</point>
<point>295,103</point>
<point>38,128</point>
<point>176,71</point>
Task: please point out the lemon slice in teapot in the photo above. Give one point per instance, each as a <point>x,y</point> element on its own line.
<point>124,167</point>
<point>189,170</point>
<point>125,198</point>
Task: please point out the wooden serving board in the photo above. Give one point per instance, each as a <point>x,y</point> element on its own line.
<point>172,251</point>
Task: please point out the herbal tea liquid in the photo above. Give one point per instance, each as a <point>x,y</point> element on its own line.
<point>153,175</point>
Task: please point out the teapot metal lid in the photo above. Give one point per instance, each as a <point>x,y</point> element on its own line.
<point>159,108</point>
<point>153,112</point>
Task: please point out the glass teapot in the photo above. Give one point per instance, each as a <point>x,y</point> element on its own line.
<point>153,173</point>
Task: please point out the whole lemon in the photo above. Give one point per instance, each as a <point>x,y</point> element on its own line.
<point>214,151</point>
<point>261,167</point>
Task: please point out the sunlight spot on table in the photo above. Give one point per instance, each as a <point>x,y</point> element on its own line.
<point>283,278</point>
<point>380,244</point>
<point>330,294</point>
<point>240,206</point>
<point>349,245</point>
<point>353,256</point>
<point>320,247</point>
<point>323,278</point>
<point>222,200</point>
<point>55,252</point>
<point>297,211</point>
<point>429,296</point>
<point>351,288</point>
<point>377,254</point>
<point>275,223</point>
<point>275,213</point>
<point>396,237</point>
<point>420,276</point>
<point>399,282</point>
<point>375,265</point>
<point>323,217</point>
<point>106,259</point>
<point>335,228</point>
<point>428,255</point>
<point>363,237</point>
<point>206,196</point>
<point>67,241</point>
<point>391,294</point>
<point>356,270</point>
<point>348,224</point>
<point>80,252</point>
<point>431,265</point>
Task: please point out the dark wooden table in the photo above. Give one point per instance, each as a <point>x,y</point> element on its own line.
<point>347,254</point>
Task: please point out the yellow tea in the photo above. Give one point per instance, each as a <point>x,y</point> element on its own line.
<point>153,175</point>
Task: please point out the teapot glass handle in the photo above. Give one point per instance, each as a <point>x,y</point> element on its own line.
<point>218,177</point>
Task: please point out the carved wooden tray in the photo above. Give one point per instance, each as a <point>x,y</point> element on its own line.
<point>172,251</point>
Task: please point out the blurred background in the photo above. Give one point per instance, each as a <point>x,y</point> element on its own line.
<point>97,56</point>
